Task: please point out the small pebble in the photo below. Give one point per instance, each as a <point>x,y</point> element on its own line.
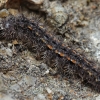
<point>4,13</point>
<point>40,97</point>
<point>98,98</point>
<point>9,52</point>
<point>34,4</point>
<point>48,90</point>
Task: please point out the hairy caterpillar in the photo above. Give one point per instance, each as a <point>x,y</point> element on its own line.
<point>37,39</point>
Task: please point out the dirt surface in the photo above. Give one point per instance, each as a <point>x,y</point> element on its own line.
<point>75,23</point>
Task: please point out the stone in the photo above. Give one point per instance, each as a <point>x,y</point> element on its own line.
<point>33,4</point>
<point>4,13</point>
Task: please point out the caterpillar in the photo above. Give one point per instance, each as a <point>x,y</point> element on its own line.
<point>46,47</point>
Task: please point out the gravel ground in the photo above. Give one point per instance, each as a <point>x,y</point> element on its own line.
<point>22,77</point>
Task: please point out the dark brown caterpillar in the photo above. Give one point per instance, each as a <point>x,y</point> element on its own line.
<point>37,39</point>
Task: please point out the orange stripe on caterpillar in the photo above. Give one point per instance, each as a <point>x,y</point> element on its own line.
<point>30,27</point>
<point>49,46</point>
<point>61,54</point>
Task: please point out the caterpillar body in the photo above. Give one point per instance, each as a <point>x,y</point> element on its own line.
<point>36,38</point>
